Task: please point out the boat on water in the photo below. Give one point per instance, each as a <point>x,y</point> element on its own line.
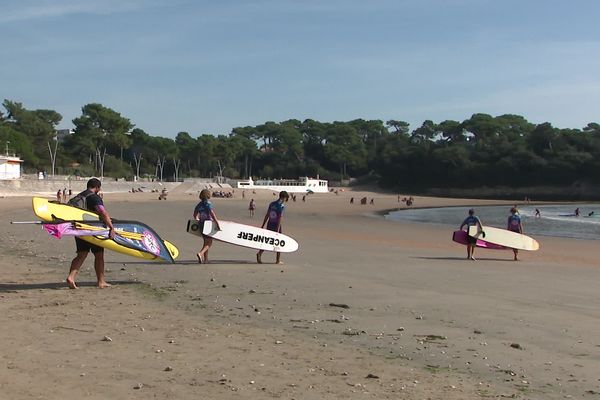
<point>301,185</point>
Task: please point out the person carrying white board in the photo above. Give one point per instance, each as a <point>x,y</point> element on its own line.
<point>515,225</point>
<point>471,220</point>
<point>273,219</point>
<point>204,212</point>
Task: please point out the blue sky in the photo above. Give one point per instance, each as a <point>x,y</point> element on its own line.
<point>208,66</point>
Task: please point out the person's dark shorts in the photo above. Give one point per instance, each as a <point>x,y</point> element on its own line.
<point>273,228</point>
<point>471,239</point>
<point>83,246</point>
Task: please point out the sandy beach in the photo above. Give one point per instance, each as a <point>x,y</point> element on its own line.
<point>367,308</point>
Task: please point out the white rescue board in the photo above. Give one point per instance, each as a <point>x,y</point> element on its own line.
<point>504,237</point>
<point>244,235</point>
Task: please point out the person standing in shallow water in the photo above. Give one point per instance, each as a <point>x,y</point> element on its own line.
<point>273,219</point>
<point>515,225</point>
<point>204,212</point>
<point>93,203</point>
<point>471,220</point>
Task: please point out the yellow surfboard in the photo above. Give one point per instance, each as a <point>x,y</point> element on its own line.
<point>50,211</point>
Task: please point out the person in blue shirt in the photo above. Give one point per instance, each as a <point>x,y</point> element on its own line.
<point>273,219</point>
<point>471,220</point>
<point>204,211</point>
<point>515,225</point>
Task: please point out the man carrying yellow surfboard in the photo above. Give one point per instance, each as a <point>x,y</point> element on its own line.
<point>89,200</point>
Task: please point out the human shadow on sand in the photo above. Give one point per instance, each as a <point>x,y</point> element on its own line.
<point>16,287</point>
<point>182,262</point>
<point>463,258</point>
<point>216,262</point>
<point>125,264</point>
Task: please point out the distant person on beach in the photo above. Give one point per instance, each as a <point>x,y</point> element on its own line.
<point>471,220</point>
<point>163,194</point>
<point>537,213</point>
<point>515,225</point>
<point>204,212</point>
<point>93,202</point>
<point>252,207</point>
<point>577,212</point>
<point>591,214</point>
<point>351,200</point>
<point>59,196</point>
<point>273,219</point>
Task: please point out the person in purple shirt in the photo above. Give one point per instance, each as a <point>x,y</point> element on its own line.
<point>204,212</point>
<point>273,219</point>
<point>515,225</point>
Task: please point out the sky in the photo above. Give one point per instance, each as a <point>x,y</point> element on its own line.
<point>208,66</point>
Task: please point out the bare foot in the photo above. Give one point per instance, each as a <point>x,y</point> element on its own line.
<point>200,258</point>
<point>279,262</point>
<point>103,285</point>
<point>71,283</point>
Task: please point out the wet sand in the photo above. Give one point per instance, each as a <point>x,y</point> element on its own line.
<point>366,307</point>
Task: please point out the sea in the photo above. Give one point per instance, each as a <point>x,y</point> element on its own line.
<point>554,220</point>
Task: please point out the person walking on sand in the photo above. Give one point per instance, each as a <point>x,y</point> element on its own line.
<point>204,212</point>
<point>94,203</point>
<point>252,207</point>
<point>273,219</point>
<point>538,214</point>
<point>471,220</point>
<point>515,225</point>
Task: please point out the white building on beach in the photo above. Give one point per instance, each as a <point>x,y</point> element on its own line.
<point>302,185</point>
<point>10,167</point>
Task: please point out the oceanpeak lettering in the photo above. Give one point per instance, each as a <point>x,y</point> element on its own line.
<point>261,239</point>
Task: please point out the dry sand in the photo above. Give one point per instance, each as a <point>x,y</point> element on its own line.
<point>421,321</point>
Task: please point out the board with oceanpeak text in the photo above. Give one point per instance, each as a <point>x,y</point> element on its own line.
<point>244,235</point>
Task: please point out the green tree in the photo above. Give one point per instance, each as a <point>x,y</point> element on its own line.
<point>452,131</point>
<point>39,126</point>
<point>400,127</point>
<point>345,148</point>
<point>100,131</point>
<point>425,133</point>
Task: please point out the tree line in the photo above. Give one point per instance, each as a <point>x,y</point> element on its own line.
<point>480,151</point>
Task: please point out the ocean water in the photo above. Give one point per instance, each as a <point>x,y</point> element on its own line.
<point>555,220</point>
